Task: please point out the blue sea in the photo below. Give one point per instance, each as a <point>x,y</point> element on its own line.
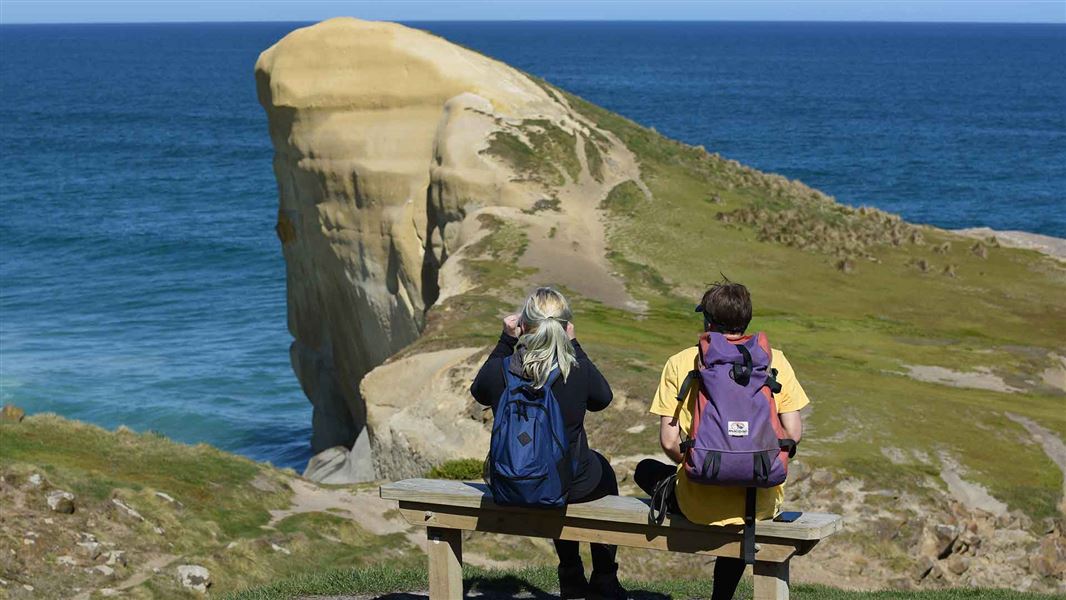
<point>140,279</point>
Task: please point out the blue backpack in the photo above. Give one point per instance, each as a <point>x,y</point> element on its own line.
<point>529,461</point>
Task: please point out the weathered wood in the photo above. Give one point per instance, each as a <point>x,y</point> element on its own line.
<point>613,509</point>
<point>771,581</point>
<point>560,526</point>
<point>446,508</point>
<point>445,549</point>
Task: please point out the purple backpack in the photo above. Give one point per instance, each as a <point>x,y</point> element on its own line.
<point>736,438</point>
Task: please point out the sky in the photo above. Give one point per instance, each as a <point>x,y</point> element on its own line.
<point>113,11</point>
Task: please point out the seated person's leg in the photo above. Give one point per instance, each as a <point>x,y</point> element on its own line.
<point>650,472</point>
<point>572,582</point>
<point>603,554</point>
<point>603,583</point>
<point>727,574</point>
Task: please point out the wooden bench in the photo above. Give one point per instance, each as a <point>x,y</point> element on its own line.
<point>447,508</point>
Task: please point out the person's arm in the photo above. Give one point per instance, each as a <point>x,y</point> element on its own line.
<point>481,388</point>
<point>793,425</point>
<point>790,399</point>
<point>670,438</point>
<point>667,407</point>
<point>600,394</point>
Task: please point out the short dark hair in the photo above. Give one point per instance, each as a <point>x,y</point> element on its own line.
<point>726,307</point>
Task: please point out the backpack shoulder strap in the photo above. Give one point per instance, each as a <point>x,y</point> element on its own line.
<point>510,380</point>
<point>694,374</point>
<point>553,376</point>
<point>764,343</point>
<point>771,378</point>
<point>747,544</point>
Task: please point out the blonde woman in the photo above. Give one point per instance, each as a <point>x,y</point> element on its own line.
<point>541,338</point>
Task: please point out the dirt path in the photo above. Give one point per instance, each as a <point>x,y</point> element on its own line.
<point>364,507</point>
<point>981,379</point>
<point>972,495</point>
<point>141,575</point>
<point>1053,446</point>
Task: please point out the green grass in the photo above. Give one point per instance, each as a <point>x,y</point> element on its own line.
<point>542,581</point>
<point>224,505</point>
<point>93,462</point>
<point>463,469</point>
<point>550,156</point>
<point>624,199</point>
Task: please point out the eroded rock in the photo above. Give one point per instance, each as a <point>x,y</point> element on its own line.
<point>126,509</point>
<point>11,414</point>
<point>382,136</point>
<point>194,577</point>
<point>60,502</point>
<point>340,465</point>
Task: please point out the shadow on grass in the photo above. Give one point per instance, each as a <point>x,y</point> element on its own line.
<point>503,587</point>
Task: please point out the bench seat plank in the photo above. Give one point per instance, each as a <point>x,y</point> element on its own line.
<point>616,509</point>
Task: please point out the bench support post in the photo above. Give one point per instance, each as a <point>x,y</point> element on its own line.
<point>445,549</point>
<point>771,580</point>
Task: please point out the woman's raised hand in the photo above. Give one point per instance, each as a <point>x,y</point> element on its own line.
<point>512,325</point>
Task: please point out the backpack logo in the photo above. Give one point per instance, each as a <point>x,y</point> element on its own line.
<point>738,428</point>
<point>524,439</point>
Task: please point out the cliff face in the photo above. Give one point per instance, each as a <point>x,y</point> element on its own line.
<point>382,140</point>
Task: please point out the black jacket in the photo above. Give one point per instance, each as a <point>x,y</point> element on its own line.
<point>584,389</point>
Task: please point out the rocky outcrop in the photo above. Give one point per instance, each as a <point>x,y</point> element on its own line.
<point>389,142</point>
<point>194,577</point>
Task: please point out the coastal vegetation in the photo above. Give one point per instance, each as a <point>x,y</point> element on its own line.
<point>934,361</point>
<point>145,506</point>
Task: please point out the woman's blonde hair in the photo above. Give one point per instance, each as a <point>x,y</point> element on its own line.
<point>545,341</point>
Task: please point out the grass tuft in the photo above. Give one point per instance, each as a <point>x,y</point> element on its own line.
<point>462,469</point>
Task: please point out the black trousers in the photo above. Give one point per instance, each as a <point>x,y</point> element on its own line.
<point>602,554</point>
<point>727,571</point>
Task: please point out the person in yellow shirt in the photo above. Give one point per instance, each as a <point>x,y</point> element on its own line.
<point>726,309</point>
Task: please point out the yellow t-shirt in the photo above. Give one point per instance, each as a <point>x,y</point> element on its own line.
<point>712,505</point>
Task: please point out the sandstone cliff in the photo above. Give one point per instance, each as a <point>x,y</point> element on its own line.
<point>389,143</point>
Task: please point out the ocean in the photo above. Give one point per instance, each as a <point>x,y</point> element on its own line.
<point>141,283</point>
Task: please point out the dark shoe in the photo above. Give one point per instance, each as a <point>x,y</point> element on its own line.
<point>603,585</point>
<point>572,582</point>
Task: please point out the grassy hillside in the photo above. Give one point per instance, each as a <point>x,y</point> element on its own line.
<point>145,506</point>
<point>871,311</point>
<point>849,334</point>
<point>214,512</point>
<point>853,296</point>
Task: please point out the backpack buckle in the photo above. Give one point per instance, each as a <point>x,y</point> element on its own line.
<point>741,372</point>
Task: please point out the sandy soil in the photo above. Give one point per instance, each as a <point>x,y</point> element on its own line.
<point>972,495</point>
<point>1052,246</point>
<point>981,379</point>
<point>364,507</point>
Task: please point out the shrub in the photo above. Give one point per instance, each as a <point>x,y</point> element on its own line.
<point>461,469</point>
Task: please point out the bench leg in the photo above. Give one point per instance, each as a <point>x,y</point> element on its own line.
<point>771,581</point>
<point>445,549</point>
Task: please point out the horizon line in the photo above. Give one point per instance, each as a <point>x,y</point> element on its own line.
<point>797,21</point>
